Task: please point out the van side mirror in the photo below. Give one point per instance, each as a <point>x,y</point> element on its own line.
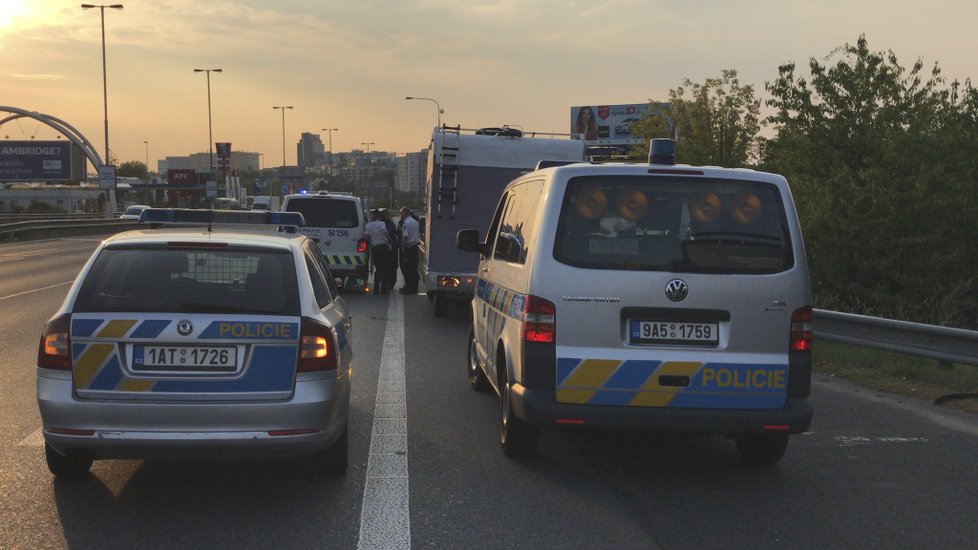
<point>468,240</point>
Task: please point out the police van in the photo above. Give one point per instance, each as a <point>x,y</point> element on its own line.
<point>336,222</point>
<point>657,297</point>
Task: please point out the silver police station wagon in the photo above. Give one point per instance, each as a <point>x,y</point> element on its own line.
<point>212,341</point>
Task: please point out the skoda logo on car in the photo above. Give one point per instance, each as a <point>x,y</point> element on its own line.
<point>185,327</point>
<point>677,290</point>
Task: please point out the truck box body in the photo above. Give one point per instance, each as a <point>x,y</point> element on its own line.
<point>465,178</point>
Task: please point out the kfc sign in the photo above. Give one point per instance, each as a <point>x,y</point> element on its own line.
<point>181,178</point>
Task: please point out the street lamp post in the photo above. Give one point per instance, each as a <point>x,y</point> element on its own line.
<point>440,111</point>
<point>331,130</point>
<point>210,133</point>
<point>105,92</point>
<point>283,108</point>
<point>146,143</point>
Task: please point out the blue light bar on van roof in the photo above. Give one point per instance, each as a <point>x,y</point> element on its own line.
<point>242,217</point>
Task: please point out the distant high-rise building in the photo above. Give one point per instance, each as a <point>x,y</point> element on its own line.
<point>310,151</point>
<point>410,177</point>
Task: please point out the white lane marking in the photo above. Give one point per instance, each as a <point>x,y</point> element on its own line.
<point>36,439</point>
<point>861,441</point>
<point>385,521</point>
<point>2,298</point>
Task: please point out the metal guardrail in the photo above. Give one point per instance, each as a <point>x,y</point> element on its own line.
<point>952,345</point>
<point>54,227</point>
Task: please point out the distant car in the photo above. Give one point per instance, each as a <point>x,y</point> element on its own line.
<point>337,223</point>
<point>133,212</point>
<point>205,342</point>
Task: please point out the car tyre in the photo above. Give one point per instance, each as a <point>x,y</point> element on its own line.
<point>477,377</point>
<point>66,466</point>
<point>335,460</point>
<point>762,449</point>
<point>516,436</point>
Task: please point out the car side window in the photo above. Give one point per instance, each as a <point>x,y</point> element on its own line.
<point>494,226</point>
<point>324,266</point>
<point>319,285</point>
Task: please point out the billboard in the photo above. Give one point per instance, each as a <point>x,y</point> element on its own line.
<point>41,161</point>
<point>182,178</point>
<point>607,124</point>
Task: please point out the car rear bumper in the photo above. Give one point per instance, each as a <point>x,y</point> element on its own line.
<point>539,408</point>
<point>310,421</point>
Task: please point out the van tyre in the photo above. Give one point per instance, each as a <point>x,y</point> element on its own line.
<point>477,377</point>
<point>66,466</point>
<point>334,460</point>
<point>763,449</point>
<point>516,436</point>
<point>441,305</point>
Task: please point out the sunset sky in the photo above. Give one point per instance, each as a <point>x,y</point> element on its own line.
<point>349,64</point>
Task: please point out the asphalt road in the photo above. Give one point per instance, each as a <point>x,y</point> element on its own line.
<point>876,471</point>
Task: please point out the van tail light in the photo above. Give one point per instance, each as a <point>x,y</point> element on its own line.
<point>317,348</point>
<point>54,349</point>
<point>362,246</point>
<point>539,321</point>
<point>801,330</point>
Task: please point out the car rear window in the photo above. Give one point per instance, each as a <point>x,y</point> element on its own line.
<point>658,223</point>
<point>165,279</point>
<point>326,212</point>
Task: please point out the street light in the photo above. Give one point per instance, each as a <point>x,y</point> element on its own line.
<point>283,108</point>
<point>105,93</point>
<point>210,134</point>
<point>331,130</point>
<point>440,110</point>
<point>146,143</point>
<point>368,144</point>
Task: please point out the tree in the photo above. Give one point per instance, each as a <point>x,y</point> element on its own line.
<point>883,172</point>
<point>714,123</point>
<point>132,169</point>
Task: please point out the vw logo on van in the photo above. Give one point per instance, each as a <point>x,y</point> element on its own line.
<point>185,327</point>
<point>677,290</point>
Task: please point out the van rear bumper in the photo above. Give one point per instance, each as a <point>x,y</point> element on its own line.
<point>539,408</point>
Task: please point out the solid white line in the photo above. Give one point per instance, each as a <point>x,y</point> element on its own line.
<point>36,439</point>
<point>35,290</point>
<point>385,521</point>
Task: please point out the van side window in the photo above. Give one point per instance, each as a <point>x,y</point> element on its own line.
<point>512,244</point>
<point>494,226</point>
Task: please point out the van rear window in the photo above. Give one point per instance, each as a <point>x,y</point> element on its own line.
<point>161,279</point>
<point>657,223</point>
<point>326,212</point>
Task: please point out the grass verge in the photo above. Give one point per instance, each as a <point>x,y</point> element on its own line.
<point>897,373</point>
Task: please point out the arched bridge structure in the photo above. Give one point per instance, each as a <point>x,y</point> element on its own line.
<point>67,130</point>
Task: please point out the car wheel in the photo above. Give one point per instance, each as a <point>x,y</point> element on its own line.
<point>441,306</point>
<point>761,449</point>
<point>516,436</point>
<point>334,460</point>
<point>477,377</point>
<point>66,466</point>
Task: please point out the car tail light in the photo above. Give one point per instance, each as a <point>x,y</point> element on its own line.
<point>317,349</point>
<point>362,246</point>
<point>801,330</point>
<point>53,351</point>
<point>539,321</point>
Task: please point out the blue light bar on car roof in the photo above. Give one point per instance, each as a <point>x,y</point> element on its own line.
<point>243,217</point>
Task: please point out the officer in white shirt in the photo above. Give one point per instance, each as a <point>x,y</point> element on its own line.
<point>380,245</point>
<point>410,235</point>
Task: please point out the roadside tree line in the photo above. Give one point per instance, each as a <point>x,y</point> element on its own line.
<point>883,164</point>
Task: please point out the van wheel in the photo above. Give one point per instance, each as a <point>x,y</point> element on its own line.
<point>516,436</point>
<point>477,378</point>
<point>441,305</point>
<point>334,460</point>
<point>66,466</point>
<point>761,449</point>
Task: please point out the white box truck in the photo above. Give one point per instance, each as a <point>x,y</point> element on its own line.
<point>467,171</point>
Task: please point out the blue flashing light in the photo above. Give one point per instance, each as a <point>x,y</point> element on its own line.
<point>303,191</point>
<point>241,217</point>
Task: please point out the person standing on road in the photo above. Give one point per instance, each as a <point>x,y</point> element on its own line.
<point>394,232</point>
<point>409,251</point>
<point>380,245</point>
